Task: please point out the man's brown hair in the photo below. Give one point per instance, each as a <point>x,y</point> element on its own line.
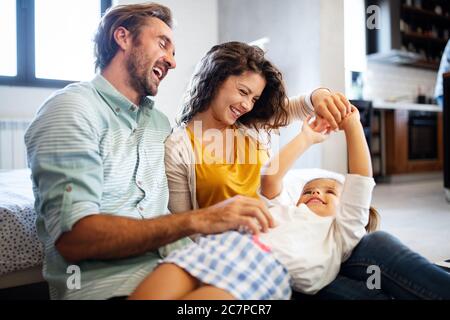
<point>132,17</point>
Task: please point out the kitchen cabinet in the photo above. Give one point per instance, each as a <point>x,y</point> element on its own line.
<point>398,142</point>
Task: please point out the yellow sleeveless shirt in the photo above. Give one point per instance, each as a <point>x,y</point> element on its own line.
<point>218,179</point>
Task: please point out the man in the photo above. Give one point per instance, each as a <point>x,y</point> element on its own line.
<point>443,68</point>
<point>96,150</point>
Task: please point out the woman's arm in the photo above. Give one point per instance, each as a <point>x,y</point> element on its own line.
<point>326,105</point>
<point>274,171</point>
<point>177,172</point>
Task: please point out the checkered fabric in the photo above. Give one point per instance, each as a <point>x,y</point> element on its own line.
<point>233,262</point>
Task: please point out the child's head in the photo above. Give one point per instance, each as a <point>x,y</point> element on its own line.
<point>323,196</point>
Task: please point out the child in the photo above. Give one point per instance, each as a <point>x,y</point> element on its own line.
<point>330,217</point>
<point>304,251</point>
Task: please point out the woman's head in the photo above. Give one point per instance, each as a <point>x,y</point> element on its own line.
<point>323,195</point>
<point>235,69</point>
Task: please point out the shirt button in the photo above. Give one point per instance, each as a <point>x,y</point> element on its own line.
<point>69,189</point>
<point>139,183</point>
<point>141,209</point>
<point>117,110</point>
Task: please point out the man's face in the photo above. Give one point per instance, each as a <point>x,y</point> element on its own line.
<point>151,57</point>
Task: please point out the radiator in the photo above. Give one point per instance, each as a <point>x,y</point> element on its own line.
<point>12,146</point>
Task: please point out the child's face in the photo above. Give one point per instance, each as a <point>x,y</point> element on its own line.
<point>322,196</point>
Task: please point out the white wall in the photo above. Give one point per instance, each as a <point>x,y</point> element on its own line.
<point>293,27</point>
<point>385,81</point>
<point>21,102</point>
<point>197,30</point>
<point>332,75</point>
<point>195,33</point>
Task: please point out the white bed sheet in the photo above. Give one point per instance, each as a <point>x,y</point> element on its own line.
<point>19,245</point>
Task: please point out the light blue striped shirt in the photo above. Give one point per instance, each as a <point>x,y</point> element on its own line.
<point>91,150</point>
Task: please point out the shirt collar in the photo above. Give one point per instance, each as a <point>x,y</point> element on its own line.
<point>117,101</point>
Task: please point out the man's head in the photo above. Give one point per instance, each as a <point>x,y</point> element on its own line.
<point>142,34</point>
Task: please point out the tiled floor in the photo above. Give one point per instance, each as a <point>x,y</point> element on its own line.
<point>417,213</point>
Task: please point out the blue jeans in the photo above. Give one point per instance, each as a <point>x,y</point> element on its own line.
<point>404,274</point>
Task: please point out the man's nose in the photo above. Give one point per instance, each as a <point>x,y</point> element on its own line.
<point>170,60</point>
<point>316,191</point>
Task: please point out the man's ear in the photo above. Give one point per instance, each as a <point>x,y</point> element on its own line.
<point>122,37</point>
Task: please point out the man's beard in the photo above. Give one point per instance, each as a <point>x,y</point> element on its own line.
<point>140,73</point>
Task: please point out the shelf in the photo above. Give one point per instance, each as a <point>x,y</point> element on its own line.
<point>426,13</point>
<point>427,65</point>
<point>424,38</point>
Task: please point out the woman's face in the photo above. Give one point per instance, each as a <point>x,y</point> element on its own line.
<point>236,96</point>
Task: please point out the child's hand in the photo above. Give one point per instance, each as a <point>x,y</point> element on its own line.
<point>316,131</point>
<point>350,120</point>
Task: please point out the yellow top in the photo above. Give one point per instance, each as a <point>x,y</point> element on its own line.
<point>218,179</point>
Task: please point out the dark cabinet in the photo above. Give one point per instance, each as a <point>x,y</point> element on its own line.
<point>412,32</point>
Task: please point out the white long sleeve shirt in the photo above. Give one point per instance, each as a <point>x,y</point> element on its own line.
<point>312,247</point>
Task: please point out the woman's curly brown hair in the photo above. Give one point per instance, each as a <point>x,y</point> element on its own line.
<point>233,59</point>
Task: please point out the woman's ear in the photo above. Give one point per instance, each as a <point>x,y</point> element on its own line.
<point>122,37</point>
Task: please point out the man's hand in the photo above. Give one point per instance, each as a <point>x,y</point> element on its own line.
<point>233,214</point>
<point>332,107</point>
<point>315,132</point>
<point>350,120</point>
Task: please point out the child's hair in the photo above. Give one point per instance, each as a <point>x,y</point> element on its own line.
<point>374,220</point>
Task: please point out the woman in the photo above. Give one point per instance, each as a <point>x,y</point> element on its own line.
<point>235,99</point>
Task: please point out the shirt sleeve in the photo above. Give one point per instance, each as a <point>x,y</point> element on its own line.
<point>443,68</point>
<point>177,171</point>
<point>353,215</point>
<point>64,157</point>
<point>283,199</point>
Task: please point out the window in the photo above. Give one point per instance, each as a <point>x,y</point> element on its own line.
<point>8,54</point>
<point>48,43</point>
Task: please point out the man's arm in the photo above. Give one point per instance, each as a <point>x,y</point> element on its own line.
<point>102,236</point>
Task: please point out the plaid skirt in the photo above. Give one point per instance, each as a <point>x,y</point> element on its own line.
<point>232,261</point>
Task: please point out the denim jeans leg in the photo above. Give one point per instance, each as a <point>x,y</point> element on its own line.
<point>404,274</point>
<point>345,288</point>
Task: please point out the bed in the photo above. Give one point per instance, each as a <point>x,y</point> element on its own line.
<point>21,252</point>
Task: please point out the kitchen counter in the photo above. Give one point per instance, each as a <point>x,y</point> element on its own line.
<point>406,106</point>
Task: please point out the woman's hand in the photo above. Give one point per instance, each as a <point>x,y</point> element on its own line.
<point>315,132</point>
<point>332,107</point>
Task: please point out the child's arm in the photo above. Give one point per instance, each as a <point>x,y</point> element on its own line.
<point>357,190</point>
<point>359,161</point>
<point>273,172</point>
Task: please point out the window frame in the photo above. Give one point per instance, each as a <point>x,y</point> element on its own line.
<point>26,58</point>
